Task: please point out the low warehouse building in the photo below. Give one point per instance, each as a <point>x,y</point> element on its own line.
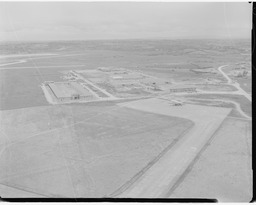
<point>182,89</point>
<point>69,91</point>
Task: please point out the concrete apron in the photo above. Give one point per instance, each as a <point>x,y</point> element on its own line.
<point>167,171</point>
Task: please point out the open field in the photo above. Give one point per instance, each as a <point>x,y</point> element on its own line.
<point>20,89</point>
<point>233,113</point>
<point>80,151</point>
<point>160,47</point>
<point>216,87</point>
<point>245,84</point>
<point>172,60</point>
<point>133,54</point>
<point>137,148</point>
<point>162,177</point>
<point>182,75</point>
<point>245,104</point>
<point>224,170</point>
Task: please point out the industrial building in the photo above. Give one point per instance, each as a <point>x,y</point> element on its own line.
<point>110,69</point>
<point>117,77</point>
<point>183,89</point>
<point>127,76</point>
<point>69,91</point>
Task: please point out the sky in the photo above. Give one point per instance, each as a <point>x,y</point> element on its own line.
<point>45,21</point>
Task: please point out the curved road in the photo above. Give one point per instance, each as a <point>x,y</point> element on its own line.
<point>238,106</point>
<point>167,171</point>
<point>236,85</point>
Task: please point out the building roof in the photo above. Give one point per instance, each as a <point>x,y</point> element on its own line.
<point>154,80</point>
<point>182,86</point>
<point>117,77</point>
<point>68,89</point>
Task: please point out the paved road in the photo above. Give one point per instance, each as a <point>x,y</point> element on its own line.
<point>224,74</point>
<point>92,84</point>
<point>165,173</point>
<point>236,85</point>
<point>16,62</point>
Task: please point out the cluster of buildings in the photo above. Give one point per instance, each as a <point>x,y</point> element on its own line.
<point>106,82</point>
<point>183,89</point>
<point>240,73</point>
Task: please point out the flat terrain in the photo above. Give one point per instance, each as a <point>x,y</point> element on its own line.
<point>20,88</point>
<point>80,151</point>
<point>101,149</point>
<point>224,88</point>
<point>224,170</point>
<point>245,104</point>
<point>163,176</point>
<point>218,103</point>
<point>245,84</point>
<point>29,64</point>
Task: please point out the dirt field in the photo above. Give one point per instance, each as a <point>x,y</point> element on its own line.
<point>165,173</point>
<point>245,84</point>
<point>20,88</point>
<point>80,151</point>
<point>245,104</point>
<point>216,87</point>
<point>221,103</point>
<point>223,171</point>
<point>92,150</point>
<point>158,58</point>
<point>233,113</point>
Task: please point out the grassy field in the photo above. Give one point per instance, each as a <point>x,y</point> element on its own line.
<point>90,150</point>
<point>166,59</point>
<point>144,54</point>
<point>81,151</point>
<point>20,88</point>
<point>223,170</point>
<point>245,84</point>
<point>217,87</point>
<point>233,113</point>
<point>245,104</point>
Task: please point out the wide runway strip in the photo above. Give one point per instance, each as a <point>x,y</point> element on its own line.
<point>159,179</point>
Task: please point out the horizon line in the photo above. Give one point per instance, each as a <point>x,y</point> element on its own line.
<point>123,39</point>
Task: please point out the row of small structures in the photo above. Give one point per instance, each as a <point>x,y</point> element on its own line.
<point>76,90</point>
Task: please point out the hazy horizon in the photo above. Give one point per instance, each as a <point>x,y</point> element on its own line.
<point>75,21</point>
<point>131,39</point>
